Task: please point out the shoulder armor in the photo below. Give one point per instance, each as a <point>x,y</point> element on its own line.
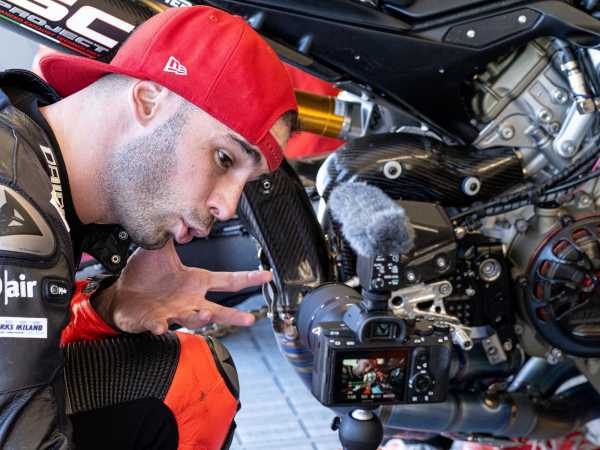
<point>23,230</point>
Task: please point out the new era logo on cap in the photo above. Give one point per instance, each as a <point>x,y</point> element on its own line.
<point>174,66</point>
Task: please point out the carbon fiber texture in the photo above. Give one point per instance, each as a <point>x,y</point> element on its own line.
<point>281,218</point>
<point>427,170</point>
<point>116,370</point>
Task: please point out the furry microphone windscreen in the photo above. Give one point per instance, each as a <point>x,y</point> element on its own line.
<point>372,223</point>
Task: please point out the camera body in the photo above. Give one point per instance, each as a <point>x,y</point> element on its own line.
<point>378,370</point>
<point>364,355</point>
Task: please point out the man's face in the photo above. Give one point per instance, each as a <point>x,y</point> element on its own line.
<point>176,180</point>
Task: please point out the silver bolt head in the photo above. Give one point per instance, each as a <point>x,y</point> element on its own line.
<point>545,116</point>
<point>567,149</point>
<point>522,19</point>
<point>470,292</point>
<point>411,276</point>
<point>441,262</point>
<point>586,106</point>
<point>392,170</point>
<point>584,200</point>
<point>521,225</point>
<point>123,235</point>
<point>446,289</point>
<point>507,132</point>
<point>560,96</point>
<point>115,259</point>
<point>490,270</point>
<point>554,356</point>
<point>471,34</point>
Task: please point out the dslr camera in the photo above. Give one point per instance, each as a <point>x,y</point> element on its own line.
<point>364,354</point>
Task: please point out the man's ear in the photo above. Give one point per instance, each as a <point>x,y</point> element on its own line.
<point>147,98</point>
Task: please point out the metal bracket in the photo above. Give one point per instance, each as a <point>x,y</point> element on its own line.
<point>405,303</point>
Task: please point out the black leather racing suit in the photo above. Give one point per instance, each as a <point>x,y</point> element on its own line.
<point>40,244</point>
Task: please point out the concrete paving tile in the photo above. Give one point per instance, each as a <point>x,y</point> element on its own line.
<point>332,444</point>
<point>271,432</point>
<point>278,411</point>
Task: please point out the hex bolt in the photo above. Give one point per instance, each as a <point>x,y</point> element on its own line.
<point>411,276</point>
<point>445,289</point>
<point>490,270</point>
<point>521,225</point>
<point>266,186</point>
<point>441,262</point>
<point>584,200</point>
<point>123,235</point>
<point>522,19</point>
<point>560,96</point>
<point>567,149</point>
<point>554,356</point>
<point>392,169</point>
<point>545,115</point>
<point>471,186</point>
<point>470,292</point>
<point>471,34</point>
<point>115,259</point>
<point>507,132</point>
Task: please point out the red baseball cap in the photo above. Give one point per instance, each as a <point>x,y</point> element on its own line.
<point>207,56</point>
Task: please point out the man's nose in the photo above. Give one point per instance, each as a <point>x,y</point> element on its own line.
<point>223,203</point>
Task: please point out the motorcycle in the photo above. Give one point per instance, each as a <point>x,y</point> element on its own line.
<point>447,282</point>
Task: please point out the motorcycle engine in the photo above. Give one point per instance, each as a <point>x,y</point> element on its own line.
<point>547,259</point>
<point>523,101</point>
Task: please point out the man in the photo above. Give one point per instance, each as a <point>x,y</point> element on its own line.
<point>161,142</point>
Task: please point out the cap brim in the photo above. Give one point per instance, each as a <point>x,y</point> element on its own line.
<point>69,74</point>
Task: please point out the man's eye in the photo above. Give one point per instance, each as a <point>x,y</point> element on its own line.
<point>223,159</point>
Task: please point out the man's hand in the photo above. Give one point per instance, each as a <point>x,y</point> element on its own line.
<point>155,290</point>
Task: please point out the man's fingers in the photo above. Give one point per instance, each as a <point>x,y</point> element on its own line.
<point>215,313</point>
<point>236,281</point>
<point>194,319</point>
<point>230,316</point>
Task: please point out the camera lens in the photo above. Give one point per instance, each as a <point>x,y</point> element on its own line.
<point>327,303</point>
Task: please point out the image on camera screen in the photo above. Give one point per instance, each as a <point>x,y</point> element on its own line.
<point>371,377</point>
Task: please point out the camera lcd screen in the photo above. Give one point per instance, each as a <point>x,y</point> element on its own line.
<point>376,376</point>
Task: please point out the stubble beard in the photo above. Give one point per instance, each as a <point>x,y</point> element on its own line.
<point>137,179</point>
